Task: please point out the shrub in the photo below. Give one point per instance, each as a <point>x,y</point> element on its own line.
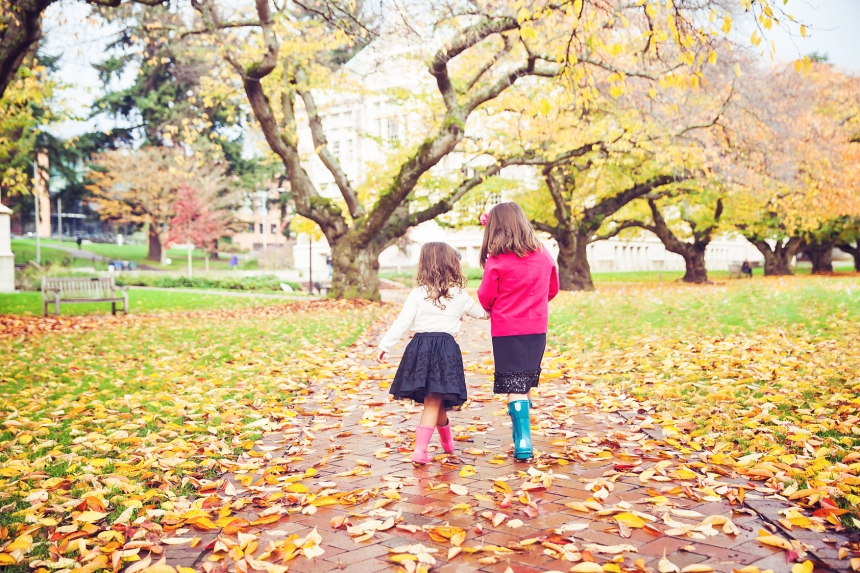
<point>264,282</point>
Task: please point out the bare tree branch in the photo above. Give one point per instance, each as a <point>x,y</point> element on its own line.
<point>543,227</point>
<point>321,146</point>
<point>490,63</point>
<point>223,25</point>
<point>471,36</point>
<point>493,91</point>
<point>618,228</point>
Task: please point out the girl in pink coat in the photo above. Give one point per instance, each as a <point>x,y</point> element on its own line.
<point>520,278</point>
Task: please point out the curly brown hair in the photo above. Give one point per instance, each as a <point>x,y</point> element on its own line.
<point>439,270</point>
<point>508,231</point>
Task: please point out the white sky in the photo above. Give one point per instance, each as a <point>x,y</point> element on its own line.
<point>833,28</point>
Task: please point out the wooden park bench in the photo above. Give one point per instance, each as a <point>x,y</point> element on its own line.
<point>94,289</point>
<point>734,270</point>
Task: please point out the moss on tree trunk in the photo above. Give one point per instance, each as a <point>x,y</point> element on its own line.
<point>355,271</point>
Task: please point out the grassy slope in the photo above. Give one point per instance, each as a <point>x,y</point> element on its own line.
<point>140,301</point>
<point>136,253</point>
<point>25,251</point>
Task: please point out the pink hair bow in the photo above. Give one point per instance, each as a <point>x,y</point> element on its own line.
<point>484,218</point>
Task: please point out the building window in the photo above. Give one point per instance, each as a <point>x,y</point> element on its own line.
<point>494,199</point>
<point>393,130</point>
<point>347,150</point>
<point>251,228</point>
<point>274,229</point>
<point>261,229</point>
<point>335,149</point>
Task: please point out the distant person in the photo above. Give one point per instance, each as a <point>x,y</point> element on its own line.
<point>328,263</point>
<point>234,262</point>
<point>746,269</point>
<point>79,241</point>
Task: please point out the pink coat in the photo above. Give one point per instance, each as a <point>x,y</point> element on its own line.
<point>517,292</point>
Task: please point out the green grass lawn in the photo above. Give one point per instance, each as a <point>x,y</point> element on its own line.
<point>140,301</point>
<point>627,311</point>
<point>25,251</point>
<point>136,253</point>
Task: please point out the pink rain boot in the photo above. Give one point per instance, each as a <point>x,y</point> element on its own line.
<point>446,438</point>
<point>422,439</point>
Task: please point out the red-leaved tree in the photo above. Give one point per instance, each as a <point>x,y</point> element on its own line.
<point>195,222</point>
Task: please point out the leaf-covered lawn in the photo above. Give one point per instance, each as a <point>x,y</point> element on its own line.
<point>139,302</point>
<point>100,426</point>
<point>760,376</point>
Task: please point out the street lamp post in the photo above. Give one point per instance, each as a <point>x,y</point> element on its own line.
<point>36,195</point>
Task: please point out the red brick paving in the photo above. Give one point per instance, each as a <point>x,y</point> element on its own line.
<point>586,428</point>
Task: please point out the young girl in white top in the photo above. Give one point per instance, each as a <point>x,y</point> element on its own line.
<point>431,370</point>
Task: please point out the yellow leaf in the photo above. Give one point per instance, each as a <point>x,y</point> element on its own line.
<point>502,487</point>
<point>297,488</point>
<point>775,541</point>
<point>586,567</point>
<point>630,519</point>
<point>805,567</point>
<point>467,471</point>
<point>22,543</point>
<point>90,516</point>
<point>544,107</point>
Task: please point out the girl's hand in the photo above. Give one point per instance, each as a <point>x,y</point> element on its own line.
<point>380,357</point>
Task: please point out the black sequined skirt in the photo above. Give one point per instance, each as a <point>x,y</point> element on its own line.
<point>431,363</point>
<point>517,360</point>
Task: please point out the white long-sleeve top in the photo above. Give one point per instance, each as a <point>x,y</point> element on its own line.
<point>421,315</point>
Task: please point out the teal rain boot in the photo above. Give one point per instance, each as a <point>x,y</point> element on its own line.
<point>521,430</point>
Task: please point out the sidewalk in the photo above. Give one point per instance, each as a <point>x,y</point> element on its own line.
<point>332,489</point>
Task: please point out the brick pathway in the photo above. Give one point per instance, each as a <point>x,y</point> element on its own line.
<point>337,478</point>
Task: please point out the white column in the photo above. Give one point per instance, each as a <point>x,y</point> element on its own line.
<point>7,259</point>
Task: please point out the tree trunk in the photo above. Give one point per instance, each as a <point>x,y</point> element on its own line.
<point>854,252</point>
<point>821,256</point>
<point>694,262</point>
<point>574,273</point>
<point>355,271</point>
<point>777,261</point>
<point>156,245</point>
<point>20,29</point>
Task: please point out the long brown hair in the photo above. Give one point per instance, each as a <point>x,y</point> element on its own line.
<point>508,231</point>
<point>439,270</point>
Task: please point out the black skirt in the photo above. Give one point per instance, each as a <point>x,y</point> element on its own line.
<point>517,360</point>
<point>432,362</point>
